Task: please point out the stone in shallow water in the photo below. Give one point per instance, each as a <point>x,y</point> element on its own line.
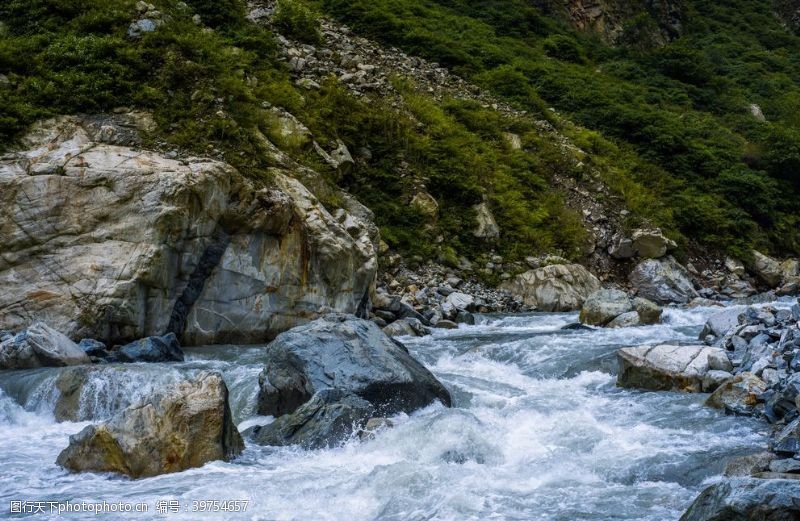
<point>743,499</point>
<point>184,426</point>
<point>603,306</point>
<point>346,353</point>
<point>664,367</point>
<point>152,349</point>
<point>738,395</point>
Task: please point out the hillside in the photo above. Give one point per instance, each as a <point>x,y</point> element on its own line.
<point>563,122</point>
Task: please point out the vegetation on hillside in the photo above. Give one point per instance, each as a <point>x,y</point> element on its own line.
<point>680,114</point>
<point>668,128</point>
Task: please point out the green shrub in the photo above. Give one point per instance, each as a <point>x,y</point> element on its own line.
<point>563,48</point>
<point>296,20</point>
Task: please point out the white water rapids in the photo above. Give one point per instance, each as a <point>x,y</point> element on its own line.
<point>538,431</point>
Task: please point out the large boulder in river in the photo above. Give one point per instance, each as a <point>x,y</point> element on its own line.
<point>666,367</point>
<point>738,395</point>
<point>106,240</point>
<point>745,499</point>
<point>663,281</point>
<point>345,353</point>
<point>558,287</point>
<point>40,346</point>
<point>182,427</point>
<point>327,420</point>
<point>604,306</point>
<point>164,348</point>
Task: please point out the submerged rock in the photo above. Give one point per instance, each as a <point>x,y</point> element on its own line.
<point>349,354</point>
<point>40,346</point>
<point>743,499</point>
<point>330,418</point>
<point>664,367</point>
<point>558,287</point>
<point>185,426</point>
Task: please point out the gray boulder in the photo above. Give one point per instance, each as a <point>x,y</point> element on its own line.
<point>650,244</point>
<point>664,367</point>
<point>767,269</point>
<point>185,426</point>
<point>746,499</point>
<point>601,307</point>
<point>629,319</point>
<point>663,281</point>
<point>40,346</point>
<point>649,312</point>
<point>327,420</point>
<point>406,327</point>
<point>558,287</point>
<point>346,353</point>
<point>720,323</point>
<point>152,349</point>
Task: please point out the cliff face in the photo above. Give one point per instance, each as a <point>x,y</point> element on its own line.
<point>103,239</point>
<point>609,18</point>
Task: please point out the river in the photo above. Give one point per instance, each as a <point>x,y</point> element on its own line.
<point>538,431</point>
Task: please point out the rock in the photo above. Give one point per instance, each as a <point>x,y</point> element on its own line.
<point>629,319</point>
<point>139,27</point>
<point>663,281</point>
<point>456,302</point>
<point>650,244</point>
<point>486,227</point>
<point>720,323</point>
<point>719,361</point>
<point>713,379</point>
<point>465,317</point>
<point>767,269</point>
<point>785,466</point>
<point>93,347</point>
<point>787,441</point>
<point>738,395</point>
<point>406,327</point>
<point>649,312</point>
<point>186,426</point>
<point>152,349</point>
<point>742,466</point>
<point>664,367</point>
<point>373,426</point>
<point>577,326</point>
<point>40,346</point>
<point>346,353</point>
<point>741,499</point>
<point>446,324</point>
<point>557,287</point>
<point>602,306</point>
<point>621,247</point>
<point>735,267</point>
<point>328,419</point>
<point>126,243</point>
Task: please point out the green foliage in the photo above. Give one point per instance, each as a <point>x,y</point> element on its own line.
<point>562,47</point>
<point>296,20</point>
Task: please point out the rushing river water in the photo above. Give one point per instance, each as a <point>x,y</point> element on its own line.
<point>538,431</point>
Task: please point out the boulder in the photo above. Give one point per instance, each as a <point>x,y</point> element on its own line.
<point>767,269</point>
<point>649,312</point>
<point>455,302</point>
<point>346,353</point>
<point>151,349</point>
<point>183,427</point>
<point>621,247</point>
<point>486,226</point>
<point>650,244</point>
<point>743,466</point>
<point>629,319</point>
<point>738,395</point>
<point>328,419</point>
<point>720,323</point>
<point>40,346</point>
<point>557,287</point>
<point>742,499</point>
<point>663,281</point>
<point>425,204</point>
<point>664,367</point>
<point>106,240</point>
<point>406,327</point>
<point>601,307</point>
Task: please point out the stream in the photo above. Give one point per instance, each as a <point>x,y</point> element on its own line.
<point>538,430</point>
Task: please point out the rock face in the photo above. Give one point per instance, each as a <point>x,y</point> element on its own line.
<point>665,367</point>
<point>40,346</point>
<point>742,499</point>
<point>327,420</point>
<point>344,353</point>
<point>559,287</point>
<point>107,241</point>
<point>663,281</point>
<point>184,427</point>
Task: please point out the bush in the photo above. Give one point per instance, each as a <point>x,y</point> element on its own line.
<point>296,20</point>
<point>563,48</point>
